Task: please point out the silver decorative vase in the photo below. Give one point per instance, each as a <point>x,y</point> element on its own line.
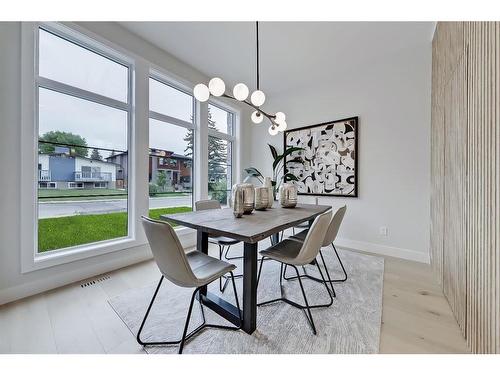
<point>237,200</point>
<point>268,183</point>
<point>261,198</point>
<point>288,195</point>
<point>247,198</point>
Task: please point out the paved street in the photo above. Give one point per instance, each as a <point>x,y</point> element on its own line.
<point>54,209</point>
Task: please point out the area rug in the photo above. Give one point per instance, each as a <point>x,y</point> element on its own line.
<point>351,325</point>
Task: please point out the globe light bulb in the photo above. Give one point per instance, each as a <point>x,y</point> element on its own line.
<point>201,92</point>
<point>280,117</point>
<point>240,92</point>
<point>258,98</point>
<point>273,130</point>
<point>257,117</point>
<point>216,86</point>
<point>281,126</point>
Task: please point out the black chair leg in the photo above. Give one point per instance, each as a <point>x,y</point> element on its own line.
<point>188,318</point>
<point>327,274</point>
<point>138,337</point>
<point>231,258</point>
<point>310,319</point>
<point>328,278</point>
<point>341,265</point>
<point>186,336</point>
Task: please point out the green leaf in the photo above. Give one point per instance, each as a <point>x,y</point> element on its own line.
<point>274,152</point>
<point>251,171</point>
<point>287,152</point>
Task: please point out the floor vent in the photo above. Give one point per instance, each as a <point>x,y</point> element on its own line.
<point>98,279</point>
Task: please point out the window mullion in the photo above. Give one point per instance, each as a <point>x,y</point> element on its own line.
<point>224,136</point>
<point>80,93</point>
<point>171,120</point>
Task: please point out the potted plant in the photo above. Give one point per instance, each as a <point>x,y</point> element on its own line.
<point>279,173</point>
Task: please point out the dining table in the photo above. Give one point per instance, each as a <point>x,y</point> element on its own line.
<point>249,229</point>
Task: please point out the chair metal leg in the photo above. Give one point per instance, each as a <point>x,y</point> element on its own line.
<point>260,270</point>
<point>307,308</point>
<point>188,318</point>
<point>326,270</point>
<point>310,319</point>
<point>186,336</point>
<point>231,258</point>
<point>341,265</point>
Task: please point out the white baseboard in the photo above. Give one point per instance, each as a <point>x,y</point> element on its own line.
<point>395,252</point>
<point>139,254</point>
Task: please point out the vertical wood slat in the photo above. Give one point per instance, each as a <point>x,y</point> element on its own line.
<point>465,176</point>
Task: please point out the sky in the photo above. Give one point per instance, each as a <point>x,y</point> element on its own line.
<point>103,126</point>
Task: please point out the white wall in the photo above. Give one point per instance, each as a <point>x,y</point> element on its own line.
<point>392,99</point>
<point>13,283</point>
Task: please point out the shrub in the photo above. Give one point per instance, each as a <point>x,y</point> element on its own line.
<point>153,190</point>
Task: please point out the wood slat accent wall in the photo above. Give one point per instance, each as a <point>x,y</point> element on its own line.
<point>465,173</point>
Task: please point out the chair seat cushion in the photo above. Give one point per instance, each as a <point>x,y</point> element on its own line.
<point>206,268</point>
<point>285,251</point>
<point>301,236</point>
<point>222,240</point>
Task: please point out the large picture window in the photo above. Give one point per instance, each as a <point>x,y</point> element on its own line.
<point>220,159</point>
<point>83,115</point>
<point>171,149</point>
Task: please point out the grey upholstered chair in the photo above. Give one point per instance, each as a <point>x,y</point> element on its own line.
<point>329,239</point>
<point>189,270</point>
<point>294,254</point>
<point>224,243</point>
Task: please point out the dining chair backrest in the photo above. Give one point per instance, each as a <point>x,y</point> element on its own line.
<point>168,252</point>
<point>207,204</point>
<point>314,239</point>
<point>333,228</point>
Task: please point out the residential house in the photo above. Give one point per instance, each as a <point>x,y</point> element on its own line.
<point>60,170</point>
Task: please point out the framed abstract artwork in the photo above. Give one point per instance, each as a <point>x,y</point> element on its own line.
<point>327,165</point>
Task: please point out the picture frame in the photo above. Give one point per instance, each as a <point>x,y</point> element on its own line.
<point>329,164</point>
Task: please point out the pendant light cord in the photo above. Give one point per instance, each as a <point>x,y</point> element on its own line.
<point>257,30</point>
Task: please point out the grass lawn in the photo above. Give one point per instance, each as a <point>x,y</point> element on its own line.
<point>91,194</point>
<point>61,232</point>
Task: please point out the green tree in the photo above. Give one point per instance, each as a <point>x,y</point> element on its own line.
<point>161,179</point>
<point>65,138</point>
<point>217,156</point>
<point>95,154</point>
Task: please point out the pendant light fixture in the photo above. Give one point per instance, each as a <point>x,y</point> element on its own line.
<point>216,87</point>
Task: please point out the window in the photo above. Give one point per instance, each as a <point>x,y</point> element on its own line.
<point>83,115</point>
<point>75,185</point>
<point>220,146</point>
<point>46,185</point>
<point>171,149</point>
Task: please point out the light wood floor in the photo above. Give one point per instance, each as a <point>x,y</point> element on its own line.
<point>416,317</point>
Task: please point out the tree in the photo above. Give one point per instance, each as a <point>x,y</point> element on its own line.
<point>161,179</point>
<point>63,138</point>
<point>217,152</point>
<point>95,154</point>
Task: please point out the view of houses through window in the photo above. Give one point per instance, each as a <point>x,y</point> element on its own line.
<point>171,151</point>
<point>84,110</point>
<point>82,144</point>
<point>220,145</point>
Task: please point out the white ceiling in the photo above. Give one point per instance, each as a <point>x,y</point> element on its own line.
<point>293,54</point>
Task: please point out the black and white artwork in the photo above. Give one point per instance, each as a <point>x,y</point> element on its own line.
<point>328,164</point>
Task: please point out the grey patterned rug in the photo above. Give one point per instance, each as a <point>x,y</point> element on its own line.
<point>350,325</point>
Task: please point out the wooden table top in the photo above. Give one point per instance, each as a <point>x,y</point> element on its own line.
<point>249,228</point>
